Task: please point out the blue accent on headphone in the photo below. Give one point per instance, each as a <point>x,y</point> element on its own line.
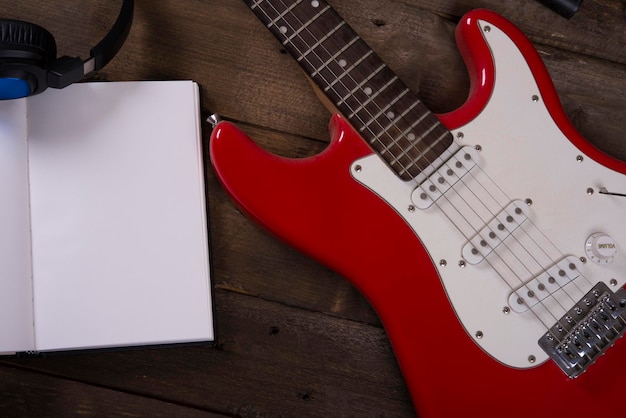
<point>13,88</point>
<point>29,62</point>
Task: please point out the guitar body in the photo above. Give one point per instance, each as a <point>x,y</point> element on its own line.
<point>344,208</point>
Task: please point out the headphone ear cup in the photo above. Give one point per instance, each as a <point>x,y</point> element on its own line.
<point>26,52</point>
<point>24,40</point>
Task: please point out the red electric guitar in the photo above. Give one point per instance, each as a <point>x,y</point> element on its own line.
<point>490,240</point>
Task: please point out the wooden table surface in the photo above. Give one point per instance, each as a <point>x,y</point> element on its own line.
<point>295,339</point>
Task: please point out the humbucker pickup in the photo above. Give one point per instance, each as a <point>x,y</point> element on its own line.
<point>587,330</point>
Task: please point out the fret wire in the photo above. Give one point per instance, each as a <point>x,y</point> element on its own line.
<point>334,57</point>
<point>316,44</point>
<point>422,154</point>
<point>346,73</point>
<point>352,67</point>
<point>387,107</point>
<point>429,130</point>
<point>373,96</point>
<point>414,147</point>
<point>415,123</point>
<point>417,141</point>
<point>428,148</point>
<point>369,78</point>
<point>354,40</point>
<point>281,15</point>
<point>396,140</point>
<point>439,139</point>
<point>297,33</point>
<point>305,25</point>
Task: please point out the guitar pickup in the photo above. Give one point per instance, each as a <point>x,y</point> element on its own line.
<point>495,232</point>
<point>446,176</point>
<point>545,284</point>
<point>587,330</point>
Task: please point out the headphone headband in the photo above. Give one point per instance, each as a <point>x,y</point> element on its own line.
<point>24,72</point>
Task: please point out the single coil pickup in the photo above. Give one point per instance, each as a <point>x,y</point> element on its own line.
<point>587,330</point>
<point>495,232</point>
<point>446,176</point>
<point>545,284</point>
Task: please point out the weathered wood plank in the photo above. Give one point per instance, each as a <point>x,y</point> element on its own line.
<point>271,360</point>
<point>597,30</point>
<point>296,339</point>
<point>25,393</point>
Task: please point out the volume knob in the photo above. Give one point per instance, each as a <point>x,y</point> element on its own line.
<point>600,248</point>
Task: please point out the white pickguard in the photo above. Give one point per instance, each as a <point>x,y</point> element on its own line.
<point>523,155</point>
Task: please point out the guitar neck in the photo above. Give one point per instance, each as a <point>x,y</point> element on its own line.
<point>377,103</point>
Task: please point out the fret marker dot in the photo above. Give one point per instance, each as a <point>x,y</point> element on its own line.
<point>368,90</point>
<point>315,3</point>
<point>411,136</point>
<point>343,63</point>
<point>390,115</point>
<point>283,29</point>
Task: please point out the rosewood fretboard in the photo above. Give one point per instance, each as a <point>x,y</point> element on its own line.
<point>379,105</point>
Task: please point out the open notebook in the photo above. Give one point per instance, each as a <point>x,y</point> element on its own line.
<point>103,226</point>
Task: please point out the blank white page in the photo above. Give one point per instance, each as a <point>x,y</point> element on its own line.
<point>119,230</point>
<point>16,308</point>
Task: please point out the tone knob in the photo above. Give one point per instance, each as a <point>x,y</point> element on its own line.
<point>600,248</point>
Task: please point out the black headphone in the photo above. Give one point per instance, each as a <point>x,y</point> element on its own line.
<point>28,56</point>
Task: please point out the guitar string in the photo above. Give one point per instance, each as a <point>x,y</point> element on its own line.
<point>274,23</point>
<point>562,290</point>
<point>575,282</point>
<point>505,248</point>
<point>534,251</point>
<point>539,264</point>
<point>339,79</point>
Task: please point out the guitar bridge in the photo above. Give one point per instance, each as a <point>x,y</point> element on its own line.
<point>587,330</point>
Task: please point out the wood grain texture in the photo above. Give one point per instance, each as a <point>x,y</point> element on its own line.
<point>30,394</point>
<point>271,360</point>
<point>295,339</point>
